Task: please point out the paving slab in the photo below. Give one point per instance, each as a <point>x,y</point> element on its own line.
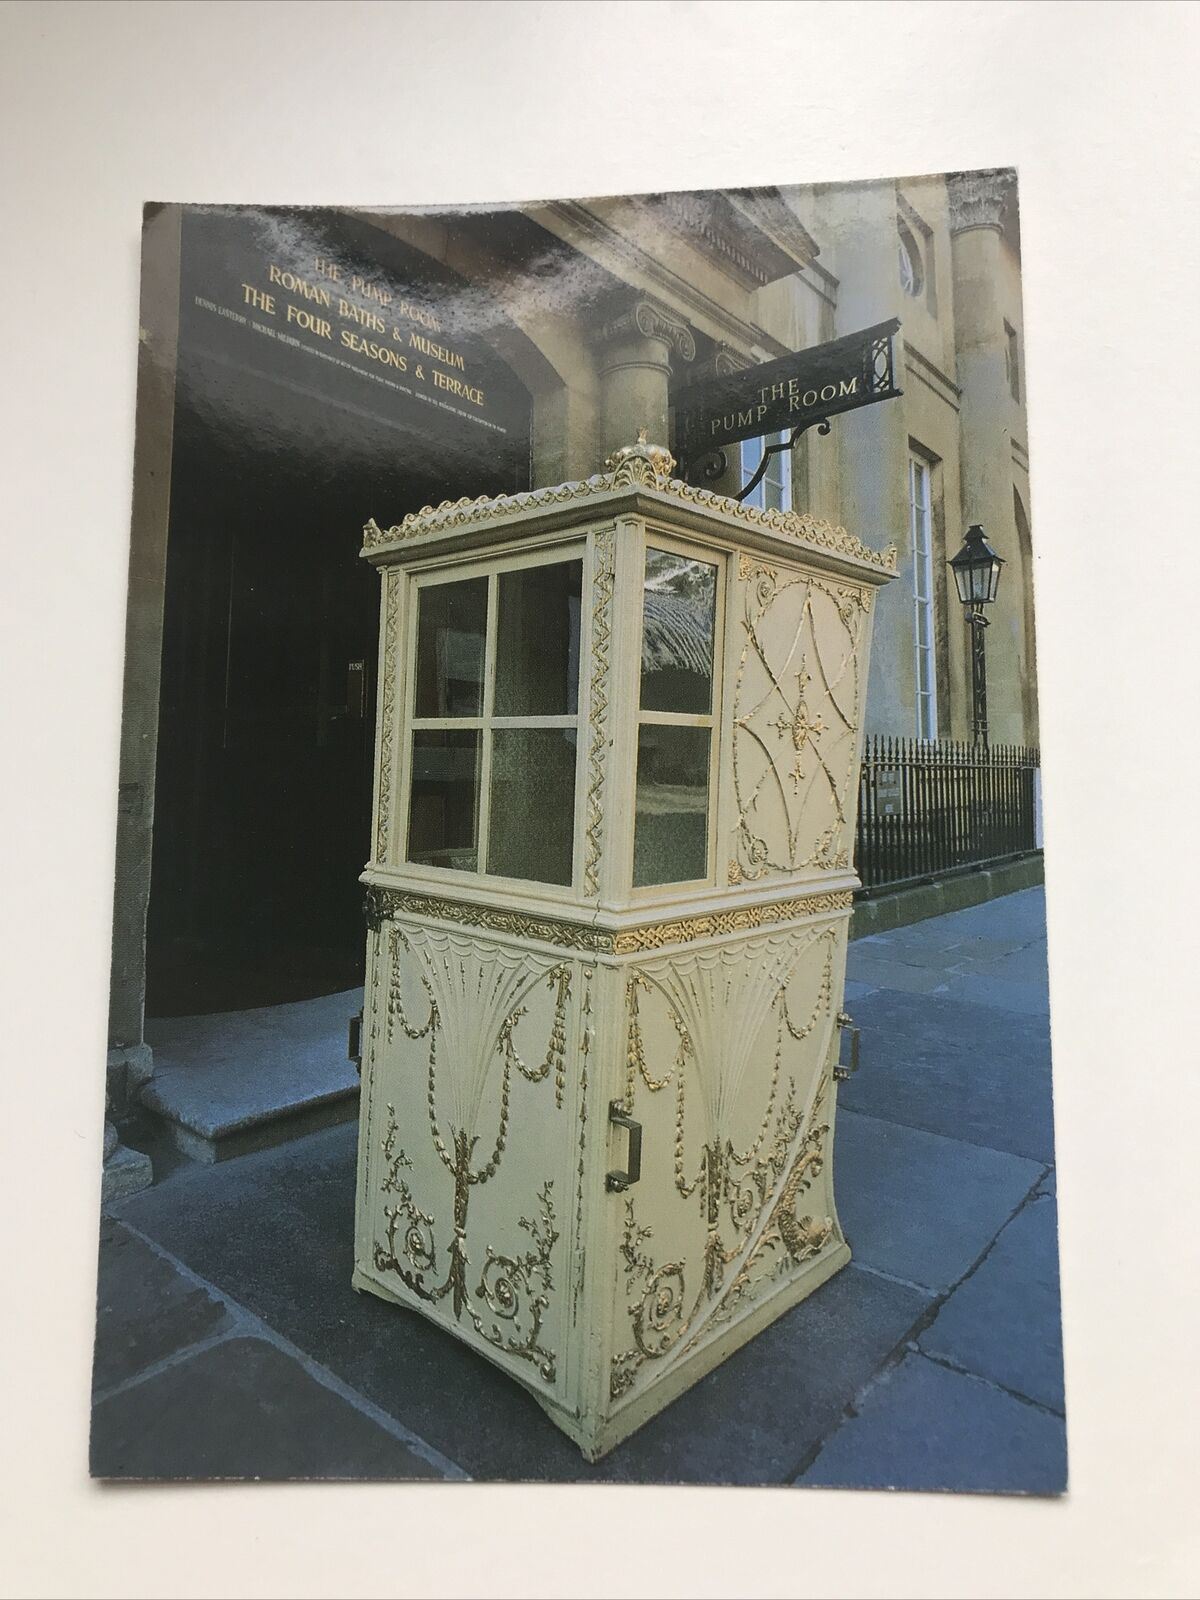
<point>918,1205</point>
<point>221,1078</point>
<point>885,972</point>
<point>929,956</point>
<point>274,1231</point>
<point>925,1427</point>
<point>146,1309</point>
<point>974,1072</point>
<point>932,934</point>
<point>1004,1322</point>
<point>241,1409</point>
<point>759,1414</point>
<point>1025,964</point>
<point>1021,915</point>
<point>996,990</point>
<point>1006,921</point>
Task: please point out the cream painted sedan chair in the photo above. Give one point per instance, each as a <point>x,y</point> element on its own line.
<point>620,725</point>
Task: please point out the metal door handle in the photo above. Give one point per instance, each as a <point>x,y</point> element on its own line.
<point>841,1073</point>
<point>354,1042</point>
<point>614,1182</point>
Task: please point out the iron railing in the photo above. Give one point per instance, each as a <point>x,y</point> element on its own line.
<point>927,807</point>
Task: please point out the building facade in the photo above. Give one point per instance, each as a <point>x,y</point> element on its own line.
<point>547,336</point>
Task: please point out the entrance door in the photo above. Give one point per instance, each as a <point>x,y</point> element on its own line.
<point>263,793</point>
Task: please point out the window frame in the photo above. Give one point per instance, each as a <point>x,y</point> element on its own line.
<point>487,723</point>
<point>925,685</point>
<point>909,249</point>
<point>714,556</point>
<point>748,469</point>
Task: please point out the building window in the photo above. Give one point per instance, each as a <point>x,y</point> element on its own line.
<point>920,521</point>
<point>773,492</point>
<point>912,276</point>
<point>1012,365</point>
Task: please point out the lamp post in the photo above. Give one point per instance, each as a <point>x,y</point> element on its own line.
<point>977,577</point>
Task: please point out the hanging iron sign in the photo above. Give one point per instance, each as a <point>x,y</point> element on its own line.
<point>788,395</point>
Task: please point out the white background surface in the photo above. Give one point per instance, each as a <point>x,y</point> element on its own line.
<point>103,106</point>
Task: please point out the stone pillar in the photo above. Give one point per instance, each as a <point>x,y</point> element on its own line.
<point>158,333</point>
<point>977,202</point>
<point>872,446</point>
<point>637,343</point>
<point>129,1060</point>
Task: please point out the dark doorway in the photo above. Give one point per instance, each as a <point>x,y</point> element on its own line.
<point>266,730</point>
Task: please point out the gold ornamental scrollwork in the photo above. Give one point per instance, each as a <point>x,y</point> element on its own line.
<point>602,597</point>
<point>792,690</point>
<point>740,919</point>
<point>508,1303</point>
<point>391,623</point>
<point>382,904</point>
<point>749,1198</point>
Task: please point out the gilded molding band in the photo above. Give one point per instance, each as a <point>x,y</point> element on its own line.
<point>631,470</point>
<point>602,591</point>
<point>388,714</point>
<point>385,903</point>
<point>742,919</point>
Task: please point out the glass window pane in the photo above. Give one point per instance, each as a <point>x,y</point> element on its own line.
<point>443,813</point>
<point>670,835</point>
<point>777,478</point>
<point>537,641</point>
<point>677,633</point>
<point>531,827</point>
<point>451,626</point>
<point>751,455</point>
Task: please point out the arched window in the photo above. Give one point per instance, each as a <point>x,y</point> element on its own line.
<point>912,273</point>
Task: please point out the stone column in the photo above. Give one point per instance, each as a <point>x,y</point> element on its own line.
<point>129,1059</point>
<point>872,445</point>
<point>977,202</point>
<point>638,341</point>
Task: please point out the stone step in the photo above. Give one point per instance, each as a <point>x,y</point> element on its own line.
<point>234,1081</point>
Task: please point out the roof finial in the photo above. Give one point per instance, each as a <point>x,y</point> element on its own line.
<point>642,462</point>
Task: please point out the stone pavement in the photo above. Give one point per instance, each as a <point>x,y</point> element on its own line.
<point>230,1343</point>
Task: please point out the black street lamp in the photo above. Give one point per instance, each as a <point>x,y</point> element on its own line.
<point>977,576</point>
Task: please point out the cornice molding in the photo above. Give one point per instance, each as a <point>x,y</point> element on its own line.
<point>617,252</point>
<point>932,376</point>
<point>644,467</point>
<point>750,234</point>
